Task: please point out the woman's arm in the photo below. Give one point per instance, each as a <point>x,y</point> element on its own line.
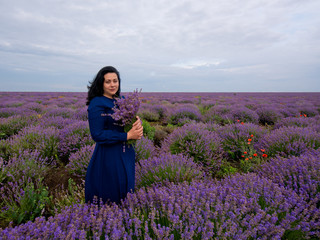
<point>99,134</point>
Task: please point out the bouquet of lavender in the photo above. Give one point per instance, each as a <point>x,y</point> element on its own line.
<point>126,109</point>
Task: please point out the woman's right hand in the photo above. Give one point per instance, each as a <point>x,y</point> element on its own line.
<point>136,132</point>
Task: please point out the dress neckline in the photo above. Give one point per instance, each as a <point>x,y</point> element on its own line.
<point>112,99</point>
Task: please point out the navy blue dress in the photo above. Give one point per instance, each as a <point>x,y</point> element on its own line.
<point>111,171</point>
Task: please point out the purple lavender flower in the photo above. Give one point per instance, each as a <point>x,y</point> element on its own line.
<point>45,140</point>
<point>184,113</point>
<point>196,141</point>
<point>144,149</point>
<point>239,207</point>
<point>12,125</point>
<point>219,114</point>
<point>148,113</point>
<point>73,137</point>
<point>79,161</point>
<point>268,115</point>
<point>243,114</point>
<point>166,168</point>
<point>235,137</point>
<point>299,122</point>
<point>301,174</point>
<point>289,141</point>
<point>126,109</point>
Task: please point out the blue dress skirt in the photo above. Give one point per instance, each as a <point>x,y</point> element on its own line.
<point>111,171</point>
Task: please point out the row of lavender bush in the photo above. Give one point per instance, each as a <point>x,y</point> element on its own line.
<point>279,201</point>
<point>193,144</point>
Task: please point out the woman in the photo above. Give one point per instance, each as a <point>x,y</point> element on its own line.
<point>111,171</point>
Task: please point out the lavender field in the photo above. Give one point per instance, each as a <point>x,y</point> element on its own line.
<point>210,166</point>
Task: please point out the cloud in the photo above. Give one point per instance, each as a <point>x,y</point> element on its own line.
<point>163,40</point>
<point>196,64</point>
<point>245,69</point>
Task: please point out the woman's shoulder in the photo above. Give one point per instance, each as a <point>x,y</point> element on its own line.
<point>101,101</point>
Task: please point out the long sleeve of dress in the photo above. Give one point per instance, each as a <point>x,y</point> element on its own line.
<point>96,117</point>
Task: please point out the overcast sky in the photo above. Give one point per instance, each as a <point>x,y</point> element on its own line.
<point>161,45</point>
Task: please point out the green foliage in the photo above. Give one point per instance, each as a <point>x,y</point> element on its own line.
<point>221,120</point>
<point>182,117</point>
<point>144,149</point>
<point>5,150</point>
<point>236,142</point>
<point>182,145</point>
<point>3,171</point>
<point>148,130</point>
<point>250,158</point>
<point>204,108</point>
<point>79,161</point>
<point>149,116</point>
<point>46,144</point>
<point>226,169</point>
<point>194,145</point>
<point>163,173</point>
<point>12,125</point>
<point>20,207</point>
<point>74,194</point>
<point>27,165</point>
<point>293,235</point>
<point>168,172</point>
<point>291,141</point>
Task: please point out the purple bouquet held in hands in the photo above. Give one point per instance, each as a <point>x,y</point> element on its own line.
<point>126,109</point>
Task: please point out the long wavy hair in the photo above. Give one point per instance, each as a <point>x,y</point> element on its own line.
<point>95,87</point>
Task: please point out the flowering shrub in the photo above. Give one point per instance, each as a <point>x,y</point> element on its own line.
<point>144,149</point>
<point>34,106</point>
<point>235,138</point>
<point>28,164</point>
<point>79,161</point>
<point>195,141</point>
<point>56,122</point>
<point>184,114</point>
<point>289,141</point>
<point>268,115</point>
<point>308,110</point>
<point>279,201</point>
<point>243,114</point>
<point>73,137</point>
<point>60,111</point>
<point>3,171</point>
<point>81,114</point>
<point>148,130</point>
<point>166,168</point>
<point>279,212</point>
<point>251,158</point>
<point>44,140</point>
<point>162,110</point>
<point>23,200</point>
<point>161,132</point>
<point>148,113</point>
<point>218,114</point>
<point>7,112</point>
<point>241,207</point>
<point>301,174</point>
<point>298,122</point>
<point>12,125</point>
<point>74,194</point>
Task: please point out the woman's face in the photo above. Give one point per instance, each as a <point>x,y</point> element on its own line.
<point>110,84</point>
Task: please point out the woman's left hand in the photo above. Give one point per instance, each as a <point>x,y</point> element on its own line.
<point>137,124</point>
<point>136,132</point>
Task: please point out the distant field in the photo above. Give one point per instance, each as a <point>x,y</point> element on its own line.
<point>210,166</point>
